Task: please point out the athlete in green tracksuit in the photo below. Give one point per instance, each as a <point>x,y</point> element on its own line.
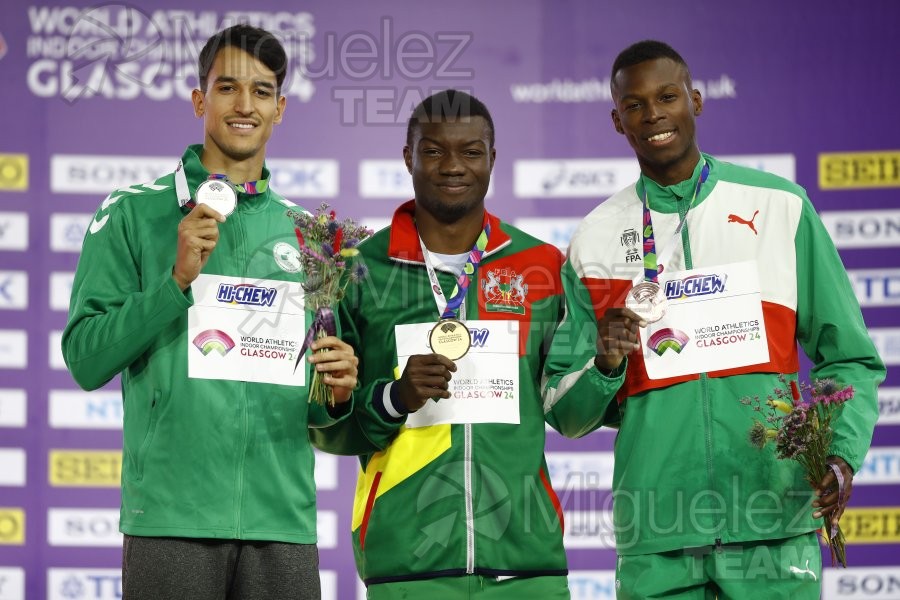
<point>457,508</point>
<point>217,472</point>
<point>698,511</point>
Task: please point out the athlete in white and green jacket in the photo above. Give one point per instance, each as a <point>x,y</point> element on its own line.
<point>697,509</point>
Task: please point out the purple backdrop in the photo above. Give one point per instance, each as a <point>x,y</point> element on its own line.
<point>95,97</point>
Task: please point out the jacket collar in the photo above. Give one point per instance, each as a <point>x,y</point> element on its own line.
<point>190,173</point>
<point>404,241</point>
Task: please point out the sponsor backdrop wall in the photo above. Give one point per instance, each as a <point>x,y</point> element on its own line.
<point>95,98</point>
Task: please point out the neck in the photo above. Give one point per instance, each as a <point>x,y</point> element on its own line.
<point>673,173</point>
<point>449,238</point>
<point>237,171</point>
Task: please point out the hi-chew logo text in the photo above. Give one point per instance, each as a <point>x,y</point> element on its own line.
<point>245,293</point>
<point>695,285</point>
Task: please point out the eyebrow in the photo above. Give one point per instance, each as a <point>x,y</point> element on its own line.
<point>257,82</point>
<point>434,141</point>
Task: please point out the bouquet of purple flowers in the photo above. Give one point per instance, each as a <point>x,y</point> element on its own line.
<point>328,254</point>
<point>800,425</point>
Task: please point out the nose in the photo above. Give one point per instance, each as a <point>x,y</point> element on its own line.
<point>653,112</point>
<point>452,164</point>
<point>243,102</point>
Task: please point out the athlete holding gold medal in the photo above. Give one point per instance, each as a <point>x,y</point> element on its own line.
<point>454,327</point>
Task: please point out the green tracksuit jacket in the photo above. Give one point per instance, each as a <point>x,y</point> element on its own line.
<point>202,458</point>
<point>460,499</point>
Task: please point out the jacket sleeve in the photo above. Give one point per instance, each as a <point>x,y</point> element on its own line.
<point>112,318</point>
<point>832,333</point>
<point>366,429</point>
<point>577,397</point>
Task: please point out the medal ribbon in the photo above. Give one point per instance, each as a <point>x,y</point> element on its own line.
<point>185,198</point>
<point>458,295</point>
<point>324,321</point>
<point>651,265</point>
<point>248,187</point>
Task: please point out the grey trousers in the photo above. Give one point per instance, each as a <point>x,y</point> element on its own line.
<point>156,568</point>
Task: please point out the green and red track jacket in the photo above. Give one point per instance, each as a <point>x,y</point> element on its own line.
<point>462,498</point>
<point>685,474</point>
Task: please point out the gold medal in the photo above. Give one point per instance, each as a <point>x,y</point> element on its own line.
<point>450,338</point>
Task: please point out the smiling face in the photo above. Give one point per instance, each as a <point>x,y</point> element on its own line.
<point>450,163</point>
<point>655,109</point>
<point>239,108</point>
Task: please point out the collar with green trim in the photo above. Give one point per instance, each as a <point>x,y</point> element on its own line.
<point>404,241</point>
<point>667,198</point>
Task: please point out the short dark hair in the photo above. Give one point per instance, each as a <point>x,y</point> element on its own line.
<point>447,106</point>
<point>644,51</point>
<point>256,42</point>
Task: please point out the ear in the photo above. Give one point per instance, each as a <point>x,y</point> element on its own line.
<point>279,110</point>
<point>407,158</point>
<point>617,122</point>
<point>493,158</point>
<point>197,99</point>
<point>697,99</point>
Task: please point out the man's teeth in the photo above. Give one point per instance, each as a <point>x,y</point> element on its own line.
<point>661,136</point>
<point>242,125</point>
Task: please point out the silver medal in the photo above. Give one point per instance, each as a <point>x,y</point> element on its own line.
<point>218,195</point>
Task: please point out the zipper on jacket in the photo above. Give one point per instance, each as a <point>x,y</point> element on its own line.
<point>241,255</point>
<point>707,432</point>
<point>470,519</point>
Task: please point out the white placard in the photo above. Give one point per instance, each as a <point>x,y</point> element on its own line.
<point>714,321</point>
<point>485,386</point>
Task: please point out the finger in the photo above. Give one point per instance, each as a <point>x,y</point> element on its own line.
<point>827,482</point>
<point>205,211</point>
<point>332,342</point>
<point>439,382</point>
<point>205,231</point>
<point>444,361</point>
<point>345,381</point>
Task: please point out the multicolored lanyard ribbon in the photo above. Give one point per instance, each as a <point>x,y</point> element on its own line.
<point>248,187</point>
<point>458,295</point>
<point>324,321</point>
<point>651,264</point>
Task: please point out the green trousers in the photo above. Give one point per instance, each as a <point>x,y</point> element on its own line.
<point>788,568</point>
<point>472,586</point>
